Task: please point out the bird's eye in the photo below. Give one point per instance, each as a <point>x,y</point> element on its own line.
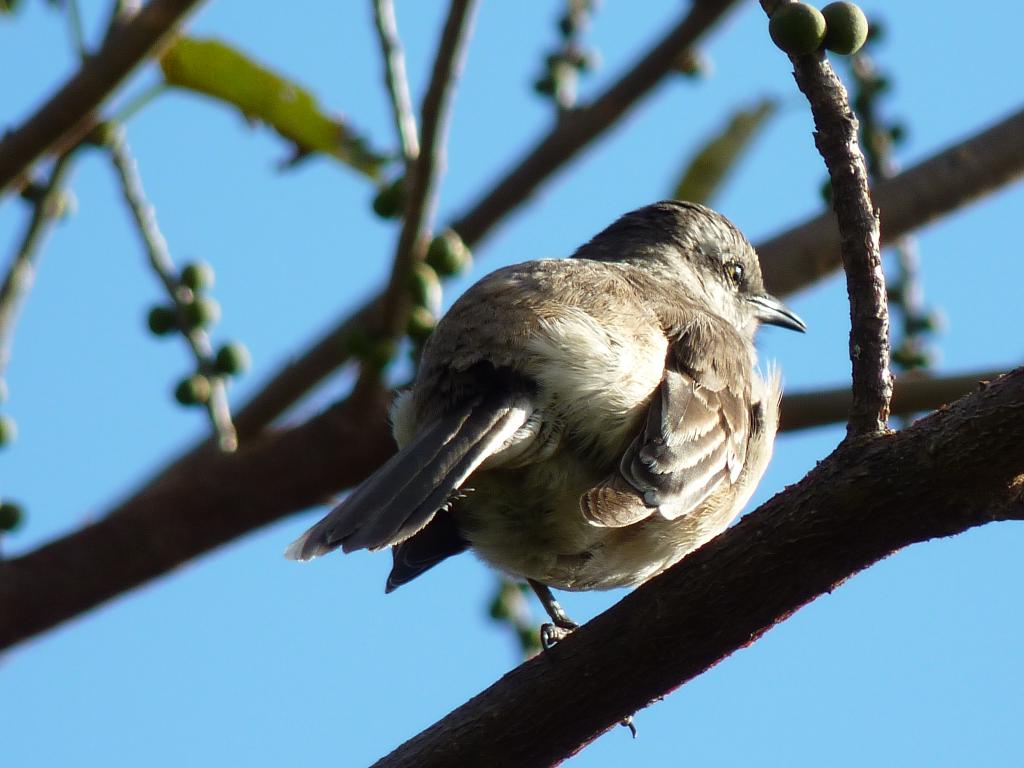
<point>734,272</point>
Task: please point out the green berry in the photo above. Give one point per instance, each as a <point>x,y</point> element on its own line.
<point>102,134</point>
<point>232,359</point>
<point>797,28</point>
<point>198,276</point>
<point>201,312</point>
<point>545,85</point>
<point>847,28</point>
<point>421,324</point>
<point>425,287</point>
<point>161,320</point>
<point>195,390</point>
<point>8,430</point>
<point>390,200</point>
<point>447,254</point>
<point>11,516</point>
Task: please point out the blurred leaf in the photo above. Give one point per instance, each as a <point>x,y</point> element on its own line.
<point>8,6</point>
<point>706,171</point>
<point>221,72</point>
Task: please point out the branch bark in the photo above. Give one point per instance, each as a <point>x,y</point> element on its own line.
<point>68,114</point>
<point>836,137</point>
<point>870,498</point>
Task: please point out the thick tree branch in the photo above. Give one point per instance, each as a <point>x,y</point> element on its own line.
<point>945,182</point>
<point>836,136</point>
<point>422,185</point>
<point>572,134</point>
<point>867,500</point>
<point>203,503</point>
<point>67,115</point>
<point>912,393</point>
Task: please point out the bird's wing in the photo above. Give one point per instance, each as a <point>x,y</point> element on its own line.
<point>695,438</point>
<point>401,497</point>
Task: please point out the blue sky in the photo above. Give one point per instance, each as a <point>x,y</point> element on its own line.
<point>241,656</point>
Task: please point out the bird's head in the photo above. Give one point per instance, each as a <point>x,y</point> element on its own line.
<point>699,250</point>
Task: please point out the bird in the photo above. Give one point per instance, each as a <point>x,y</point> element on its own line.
<point>580,423</point>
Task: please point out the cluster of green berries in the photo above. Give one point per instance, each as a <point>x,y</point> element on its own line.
<point>563,67</point>
<point>799,28</point>
<point>197,310</point>
<point>446,256</point>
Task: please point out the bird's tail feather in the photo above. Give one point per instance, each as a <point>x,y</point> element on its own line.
<point>403,495</point>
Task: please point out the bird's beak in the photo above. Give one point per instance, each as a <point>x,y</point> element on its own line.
<point>770,310</point>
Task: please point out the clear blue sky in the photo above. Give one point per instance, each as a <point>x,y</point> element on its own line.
<point>244,658</point>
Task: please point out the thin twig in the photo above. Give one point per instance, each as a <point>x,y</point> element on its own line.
<point>395,78</point>
<point>422,184</point>
<point>912,393</point>
<point>74,15</point>
<point>160,259</point>
<point>836,136</point>
<point>21,274</point>
<point>67,115</point>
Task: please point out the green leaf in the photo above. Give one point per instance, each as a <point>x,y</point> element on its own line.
<point>217,70</point>
<point>707,170</point>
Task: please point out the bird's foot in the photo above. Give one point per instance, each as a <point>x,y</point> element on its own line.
<point>551,634</point>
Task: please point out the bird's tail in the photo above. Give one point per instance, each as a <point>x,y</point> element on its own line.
<point>401,497</point>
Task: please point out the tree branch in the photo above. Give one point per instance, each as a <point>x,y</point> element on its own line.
<point>160,260</point>
<point>204,502</point>
<point>422,185</point>
<point>67,115</point>
<point>912,394</point>
<point>395,79</point>
<point>836,137</point>
<point>867,500</point>
<point>945,182</point>
<point>21,274</point>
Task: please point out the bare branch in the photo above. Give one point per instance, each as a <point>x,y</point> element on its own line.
<point>945,182</point>
<point>867,500</point>
<point>21,274</point>
<point>836,136</point>
<point>160,259</point>
<point>204,502</point>
<point>912,393</point>
<point>67,115</point>
<point>422,185</point>
<point>395,79</point>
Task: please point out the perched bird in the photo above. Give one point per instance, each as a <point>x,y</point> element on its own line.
<point>580,423</point>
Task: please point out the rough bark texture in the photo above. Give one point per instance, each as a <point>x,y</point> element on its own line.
<point>956,469</point>
<point>836,136</point>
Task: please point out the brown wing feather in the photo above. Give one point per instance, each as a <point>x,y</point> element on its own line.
<point>695,438</point>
